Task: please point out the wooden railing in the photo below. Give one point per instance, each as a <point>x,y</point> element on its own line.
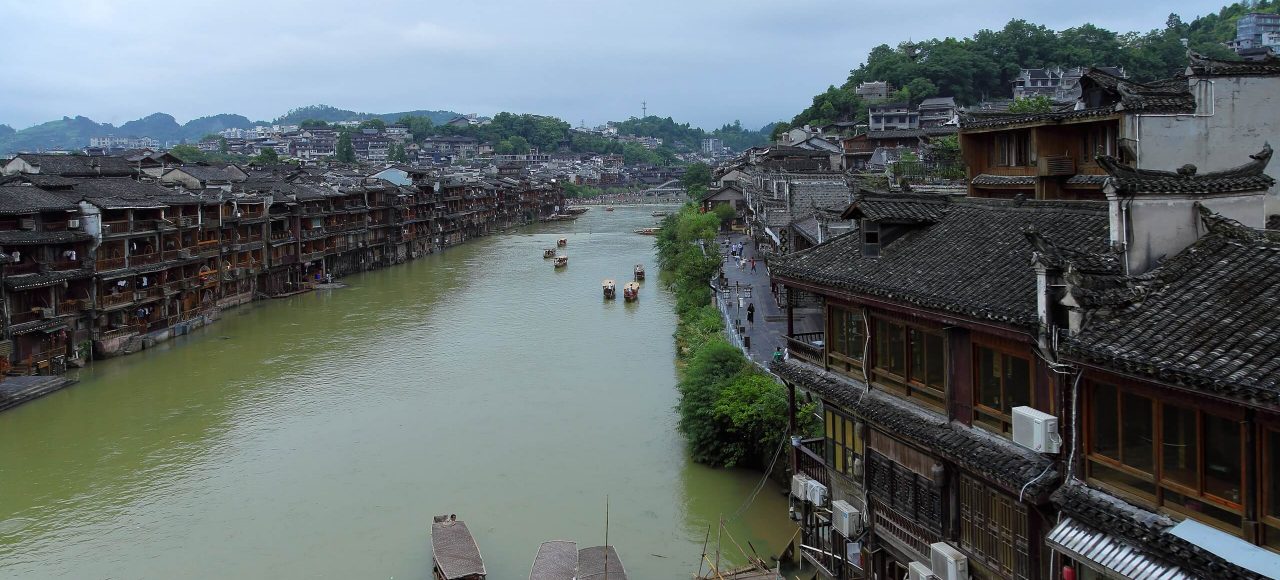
<point>109,300</point>
<point>120,331</point>
<point>809,460</point>
<point>140,259</point>
<point>105,264</point>
<point>801,345</point>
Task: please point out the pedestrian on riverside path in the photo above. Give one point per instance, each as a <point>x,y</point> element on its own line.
<point>753,264</point>
<point>751,313</point>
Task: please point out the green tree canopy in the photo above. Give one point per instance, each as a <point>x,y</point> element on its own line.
<point>267,156</point>
<point>187,153</point>
<point>696,175</point>
<point>1036,104</point>
<point>346,152</point>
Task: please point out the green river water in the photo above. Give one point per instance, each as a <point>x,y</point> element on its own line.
<point>315,436</point>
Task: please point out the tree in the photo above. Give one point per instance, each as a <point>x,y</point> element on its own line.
<point>345,150</point>
<point>419,126</point>
<point>313,124</point>
<point>187,153</point>
<point>696,175</point>
<point>1036,104</point>
<point>377,124</point>
<point>222,145</point>
<point>397,154</point>
<point>267,156</point>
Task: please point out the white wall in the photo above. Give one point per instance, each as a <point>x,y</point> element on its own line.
<point>1160,226</point>
<point>1245,114</point>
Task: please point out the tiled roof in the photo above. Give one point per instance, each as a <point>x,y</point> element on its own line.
<point>998,459</point>
<point>988,121</point>
<point>21,237</point>
<point>42,279</point>
<point>1204,66</point>
<point>1163,96</point>
<point>988,179</point>
<point>908,133</point>
<point>900,208</point>
<point>1208,319</point>
<point>1247,177</point>
<point>79,165</point>
<point>1086,179</point>
<point>1144,529</point>
<point>975,261</point>
<point>21,199</point>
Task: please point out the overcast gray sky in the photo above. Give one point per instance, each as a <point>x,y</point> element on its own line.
<point>703,61</point>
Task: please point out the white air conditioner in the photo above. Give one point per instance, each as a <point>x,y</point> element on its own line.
<point>817,492</point>
<point>1036,430</point>
<point>918,571</point>
<point>846,519</point>
<point>73,223</point>
<point>800,486</point>
<point>948,563</point>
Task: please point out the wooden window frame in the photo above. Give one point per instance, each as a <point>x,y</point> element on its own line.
<point>1269,470</point>
<point>839,431</point>
<point>836,360</point>
<point>905,385</point>
<point>1159,484</point>
<point>994,528</point>
<point>1013,149</point>
<point>1002,348</point>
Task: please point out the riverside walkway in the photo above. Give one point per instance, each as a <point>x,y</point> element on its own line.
<point>745,287</point>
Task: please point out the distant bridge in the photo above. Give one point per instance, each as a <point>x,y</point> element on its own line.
<point>669,188</point>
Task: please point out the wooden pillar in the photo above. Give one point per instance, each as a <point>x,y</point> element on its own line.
<point>791,322</point>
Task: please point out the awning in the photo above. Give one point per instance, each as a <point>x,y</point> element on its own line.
<point>1112,557</point>
<point>1229,548</point>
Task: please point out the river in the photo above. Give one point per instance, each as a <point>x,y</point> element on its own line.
<point>315,436</point>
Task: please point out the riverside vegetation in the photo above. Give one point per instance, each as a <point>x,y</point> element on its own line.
<point>731,412</point>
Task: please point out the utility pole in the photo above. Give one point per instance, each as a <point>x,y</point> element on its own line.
<point>644,109</point>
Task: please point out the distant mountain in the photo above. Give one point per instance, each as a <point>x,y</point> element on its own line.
<point>74,133</point>
<point>330,114</point>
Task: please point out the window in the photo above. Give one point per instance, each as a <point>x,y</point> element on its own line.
<point>844,443</point>
<point>1003,382</point>
<point>912,361</point>
<point>870,239</point>
<point>1197,469</point>
<point>846,333</point>
<point>993,527</point>
<point>1013,149</point>
<point>1100,140</point>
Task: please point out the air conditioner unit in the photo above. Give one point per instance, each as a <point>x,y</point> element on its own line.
<point>817,492</point>
<point>1036,430</point>
<point>800,486</point>
<point>948,563</point>
<point>73,223</point>
<point>846,519</point>
<point>918,571</point>
<point>27,223</point>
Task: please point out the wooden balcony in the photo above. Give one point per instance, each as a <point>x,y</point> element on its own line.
<point>802,345</point>
<point>119,331</point>
<point>110,300</point>
<point>71,306</point>
<point>143,259</point>
<point>107,264</point>
<point>809,460</point>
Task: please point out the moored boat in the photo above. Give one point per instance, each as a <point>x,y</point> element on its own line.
<point>647,231</point>
<point>455,555</point>
<point>639,270</point>
<point>631,292</point>
<point>609,291</point>
<point>608,208</point>
<point>576,210</point>
<point>600,562</point>
<point>561,261</point>
<point>659,214</point>
<point>548,252</point>
<point>556,560</point>
<point>562,242</point>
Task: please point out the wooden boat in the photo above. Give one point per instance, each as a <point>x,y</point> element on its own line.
<point>548,252</point>
<point>561,261</point>
<point>608,208</point>
<point>596,562</point>
<point>659,214</point>
<point>639,272</point>
<point>631,292</point>
<point>576,210</point>
<point>556,560</point>
<point>648,231</point>
<point>562,242</point>
<point>455,554</point>
<point>609,291</point>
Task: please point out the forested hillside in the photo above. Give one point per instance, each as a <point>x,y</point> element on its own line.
<point>985,65</point>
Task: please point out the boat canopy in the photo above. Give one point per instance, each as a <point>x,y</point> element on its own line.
<point>455,551</point>
<point>556,560</point>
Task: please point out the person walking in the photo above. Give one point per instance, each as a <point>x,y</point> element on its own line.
<point>751,313</point>
<point>753,264</point>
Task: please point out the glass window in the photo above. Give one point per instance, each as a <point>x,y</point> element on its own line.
<point>1104,422</point>
<point>846,333</point>
<point>1004,382</point>
<point>1136,428</point>
<point>891,347</point>
<point>1179,446</point>
<point>935,367</point>
<point>843,445</point>
<point>1223,469</point>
